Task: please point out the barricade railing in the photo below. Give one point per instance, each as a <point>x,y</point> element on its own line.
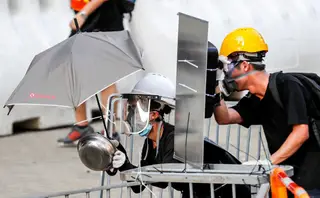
<point>243,143</point>
<point>239,141</point>
<point>88,191</point>
<point>221,174</point>
<point>229,174</point>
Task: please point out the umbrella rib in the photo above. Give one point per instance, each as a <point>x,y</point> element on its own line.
<point>72,71</point>
<point>33,104</point>
<point>72,76</point>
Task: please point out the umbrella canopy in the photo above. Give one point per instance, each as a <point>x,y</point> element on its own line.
<point>74,70</point>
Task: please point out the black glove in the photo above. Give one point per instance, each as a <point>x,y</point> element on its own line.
<point>112,172</point>
<point>213,63</point>
<point>118,146</point>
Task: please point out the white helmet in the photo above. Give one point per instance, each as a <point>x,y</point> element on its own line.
<point>158,85</point>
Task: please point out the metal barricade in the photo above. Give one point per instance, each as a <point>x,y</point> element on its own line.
<point>244,144</point>
<point>217,174</point>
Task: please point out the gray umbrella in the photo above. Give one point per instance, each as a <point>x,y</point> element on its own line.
<point>69,73</point>
<point>76,69</point>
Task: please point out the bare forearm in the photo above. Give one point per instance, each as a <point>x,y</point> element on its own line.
<point>92,6</point>
<point>294,141</point>
<point>225,115</point>
<point>221,113</point>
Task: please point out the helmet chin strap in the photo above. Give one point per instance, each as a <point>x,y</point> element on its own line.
<point>244,75</point>
<point>158,140</point>
<point>229,85</point>
<point>158,136</point>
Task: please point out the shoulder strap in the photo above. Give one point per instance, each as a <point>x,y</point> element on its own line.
<point>311,81</point>
<point>312,86</point>
<point>274,90</point>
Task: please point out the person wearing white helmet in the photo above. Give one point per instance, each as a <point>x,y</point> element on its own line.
<point>153,97</point>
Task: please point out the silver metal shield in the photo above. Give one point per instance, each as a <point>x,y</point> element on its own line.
<point>190,90</point>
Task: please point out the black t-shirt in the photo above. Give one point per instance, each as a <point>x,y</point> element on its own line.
<point>107,17</point>
<point>278,123</point>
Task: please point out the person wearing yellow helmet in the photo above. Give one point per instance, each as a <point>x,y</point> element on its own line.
<point>243,46</point>
<point>287,129</point>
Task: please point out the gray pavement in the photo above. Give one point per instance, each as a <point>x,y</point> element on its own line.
<point>34,164</point>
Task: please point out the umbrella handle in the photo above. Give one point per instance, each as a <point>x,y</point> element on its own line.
<point>77,24</point>
<point>103,120</point>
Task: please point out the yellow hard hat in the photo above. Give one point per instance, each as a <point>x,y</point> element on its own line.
<point>243,40</point>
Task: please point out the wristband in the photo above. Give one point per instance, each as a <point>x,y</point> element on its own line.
<point>83,14</point>
<point>217,99</point>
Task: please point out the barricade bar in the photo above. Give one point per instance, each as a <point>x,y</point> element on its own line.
<point>88,190</point>
<point>221,174</point>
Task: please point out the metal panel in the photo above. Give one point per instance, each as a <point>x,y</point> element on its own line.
<point>190,90</point>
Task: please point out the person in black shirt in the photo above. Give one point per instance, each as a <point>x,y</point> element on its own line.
<point>99,15</point>
<point>96,15</point>
<point>287,131</point>
<point>158,147</point>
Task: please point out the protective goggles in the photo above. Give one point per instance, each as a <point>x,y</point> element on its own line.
<point>236,59</point>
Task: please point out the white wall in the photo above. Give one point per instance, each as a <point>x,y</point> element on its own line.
<point>27,28</point>
<point>30,26</point>
<point>290,29</point>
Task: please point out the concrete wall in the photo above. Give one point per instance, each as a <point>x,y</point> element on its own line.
<point>27,28</point>
<point>290,29</point>
<point>30,26</point>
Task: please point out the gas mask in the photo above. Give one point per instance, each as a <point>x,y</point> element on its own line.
<point>229,85</point>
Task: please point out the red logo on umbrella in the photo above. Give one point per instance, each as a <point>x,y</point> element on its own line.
<point>34,95</point>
